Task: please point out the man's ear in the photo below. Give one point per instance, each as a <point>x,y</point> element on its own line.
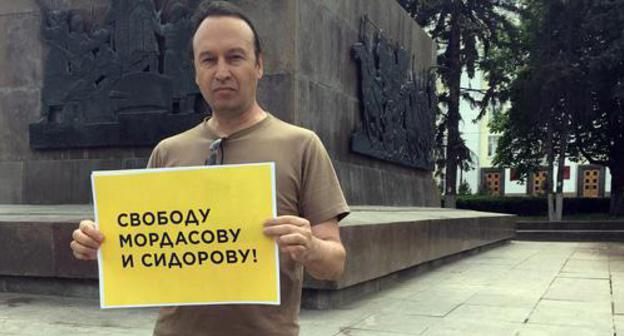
<point>195,73</point>
<point>260,66</point>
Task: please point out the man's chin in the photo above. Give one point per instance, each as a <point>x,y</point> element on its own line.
<point>228,109</point>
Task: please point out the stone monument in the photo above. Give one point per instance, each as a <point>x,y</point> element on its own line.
<point>94,84</point>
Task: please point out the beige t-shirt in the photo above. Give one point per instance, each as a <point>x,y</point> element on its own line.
<point>307,186</point>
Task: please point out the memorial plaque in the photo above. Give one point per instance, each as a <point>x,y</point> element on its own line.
<point>128,82</point>
<point>398,104</point>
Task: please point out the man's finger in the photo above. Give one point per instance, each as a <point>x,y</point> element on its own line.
<point>280,230</point>
<point>293,250</point>
<point>88,227</point>
<point>84,256</point>
<point>85,240</point>
<point>76,247</point>
<point>292,240</point>
<point>298,221</point>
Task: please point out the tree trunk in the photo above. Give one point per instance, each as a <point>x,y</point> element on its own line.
<point>551,206</point>
<point>558,211</point>
<point>563,146</point>
<point>450,201</point>
<point>452,120</point>
<point>550,157</point>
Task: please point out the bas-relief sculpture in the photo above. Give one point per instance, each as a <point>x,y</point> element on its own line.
<point>128,82</point>
<point>397,103</point>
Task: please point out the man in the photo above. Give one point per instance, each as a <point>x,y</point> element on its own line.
<point>228,64</point>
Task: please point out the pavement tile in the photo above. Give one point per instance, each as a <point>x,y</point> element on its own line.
<point>58,309</point>
<point>493,261</point>
<point>376,302</point>
<point>340,318</point>
<point>433,308</point>
<point>534,329</point>
<point>437,302</point>
<point>488,297</point>
<point>585,275</point>
<point>616,265</point>
<point>494,313</point>
<point>479,327</point>
<point>618,321</point>
<point>471,278</point>
<point>573,314</point>
<point>573,289</point>
<point>34,328</point>
<point>405,291</point>
<point>617,284</point>
<point>519,280</point>
<point>618,299</point>
<point>364,332</point>
<point>589,253</point>
<point>319,329</point>
<point>584,266</point>
<point>563,288</point>
<point>397,322</point>
<point>542,264</point>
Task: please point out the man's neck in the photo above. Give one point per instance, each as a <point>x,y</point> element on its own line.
<point>224,124</point>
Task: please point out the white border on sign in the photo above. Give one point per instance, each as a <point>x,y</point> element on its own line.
<point>190,168</point>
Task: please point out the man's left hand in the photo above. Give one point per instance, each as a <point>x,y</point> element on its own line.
<point>293,235</point>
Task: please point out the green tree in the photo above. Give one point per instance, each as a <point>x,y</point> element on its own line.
<point>467,31</point>
<point>598,133</point>
<point>566,98</point>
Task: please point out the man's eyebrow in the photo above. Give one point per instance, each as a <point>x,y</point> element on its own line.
<point>239,50</point>
<point>204,53</point>
<point>230,51</point>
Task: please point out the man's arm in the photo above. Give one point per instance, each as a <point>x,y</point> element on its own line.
<point>317,247</point>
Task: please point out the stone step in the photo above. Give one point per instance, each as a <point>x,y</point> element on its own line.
<point>380,241</point>
<point>571,230</point>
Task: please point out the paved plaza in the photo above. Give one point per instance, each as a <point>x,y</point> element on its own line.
<point>521,288</point>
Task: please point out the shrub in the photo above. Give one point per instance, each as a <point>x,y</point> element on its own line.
<point>530,205</point>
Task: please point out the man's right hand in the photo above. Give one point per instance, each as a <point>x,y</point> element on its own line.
<point>87,240</point>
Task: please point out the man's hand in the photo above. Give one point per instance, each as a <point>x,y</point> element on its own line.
<point>293,235</point>
<point>317,247</point>
<point>87,240</point>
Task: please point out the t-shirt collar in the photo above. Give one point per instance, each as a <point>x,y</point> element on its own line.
<point>209,132</point>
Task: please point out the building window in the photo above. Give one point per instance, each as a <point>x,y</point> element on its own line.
<point>492,144</point>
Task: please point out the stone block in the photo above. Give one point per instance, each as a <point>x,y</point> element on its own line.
<point>11,176</point>
<point>18,107</point>
<point>360,184</point>
<point>62,181</point>
<point>41,249</point>
<point>20,51</point>
<point>276,95</point>
<point>380,242</point>
<point>135,163</point>
<point>325,54</point>
<point>27,249</point>
<point>275,22</point>
<point>320,109</point>
<point>65,265</point>
<point>8,7</point>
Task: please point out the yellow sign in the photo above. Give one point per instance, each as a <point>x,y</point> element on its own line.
<point>186,236</point>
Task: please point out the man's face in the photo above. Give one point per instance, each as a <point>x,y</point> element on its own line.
<point>226,69</point>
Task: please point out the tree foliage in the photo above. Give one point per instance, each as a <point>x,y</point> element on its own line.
<point>469,33</point>
<point>569,89</point>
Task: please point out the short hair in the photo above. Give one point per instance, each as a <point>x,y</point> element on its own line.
<point>210,8</point>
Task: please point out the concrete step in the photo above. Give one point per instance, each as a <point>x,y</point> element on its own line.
<point>381,241</point>
<point>571,230</point>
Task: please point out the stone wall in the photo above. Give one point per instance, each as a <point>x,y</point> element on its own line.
<point>310,80</point>
<point>328,97</point>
